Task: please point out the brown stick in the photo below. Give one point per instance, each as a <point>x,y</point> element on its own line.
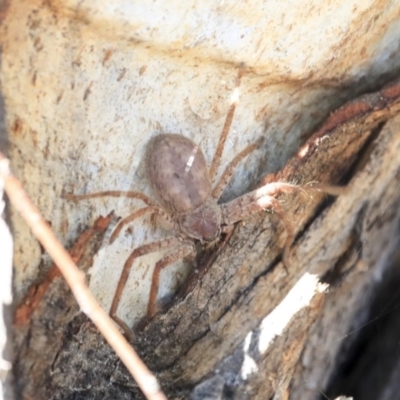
<point>76,280</point>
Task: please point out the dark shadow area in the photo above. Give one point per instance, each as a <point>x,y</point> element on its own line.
<point>369,369</point>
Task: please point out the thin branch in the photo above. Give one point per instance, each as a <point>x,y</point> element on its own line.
<point>76,281</point>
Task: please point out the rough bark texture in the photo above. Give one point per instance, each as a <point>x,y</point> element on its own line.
<point>247,327</point>
<point>87,85</point>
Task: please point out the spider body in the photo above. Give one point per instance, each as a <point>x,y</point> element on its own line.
<point>178,174</point>
<point>187,202</point>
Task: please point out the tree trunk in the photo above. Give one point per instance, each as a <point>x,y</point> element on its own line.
<point>249,317</point>
<point>80,96</point>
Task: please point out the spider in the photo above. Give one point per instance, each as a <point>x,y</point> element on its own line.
<point>187,202</point>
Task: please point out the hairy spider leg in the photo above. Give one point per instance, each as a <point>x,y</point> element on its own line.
<point>152,208</point>
<point>112,193</point>
<point>230,169</point>
<point>138,252</point>
<point>186,249</point>
<point>146,210</point>
<point>225,130</point>
<point>252,202</point>
<point>327,189</point>
<point>265,198</point>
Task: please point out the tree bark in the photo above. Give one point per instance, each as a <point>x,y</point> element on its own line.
<point>249,327</point>
<point>87,85</point>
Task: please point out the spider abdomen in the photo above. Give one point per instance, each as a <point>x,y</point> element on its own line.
<point>178,173</point>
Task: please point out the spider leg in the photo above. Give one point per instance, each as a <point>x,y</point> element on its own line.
<point>225,130</point>
<point>140,251</point>
<point>146,210</point>
<point>230,169</point>
<point>184,250</point>
<point>111,193</point>
<point>265,197</point>
<point>234,212</point>
<point>328,189</point>
<point>250,203</point>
